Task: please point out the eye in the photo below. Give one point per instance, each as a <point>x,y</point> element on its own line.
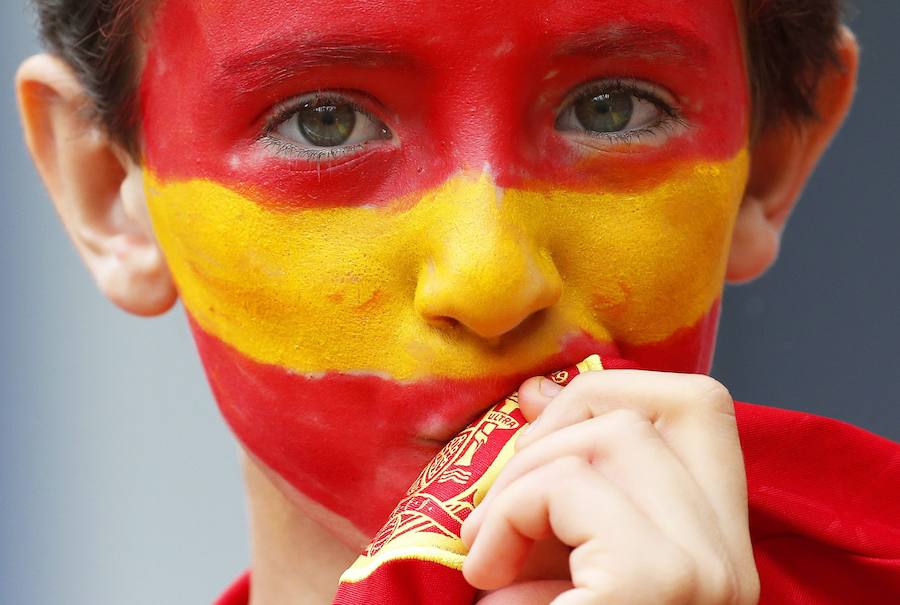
<point>323,125</point>
<point>617,111</point>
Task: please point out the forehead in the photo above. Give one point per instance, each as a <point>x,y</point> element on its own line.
<point>469,27</point>
<point>462,83</point>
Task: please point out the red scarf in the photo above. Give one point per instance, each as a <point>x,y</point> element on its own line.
<point>418,555</point>
<point>824,513</point>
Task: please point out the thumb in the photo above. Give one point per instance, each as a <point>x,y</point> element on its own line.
<point>535,395</point>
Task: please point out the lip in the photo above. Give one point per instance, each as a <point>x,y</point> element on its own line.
<point>325,436</point>
<point>450,419</point>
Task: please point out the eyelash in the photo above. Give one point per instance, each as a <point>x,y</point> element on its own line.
<point>670,120</point>
<point>310,155</point>
<point>288,109</point>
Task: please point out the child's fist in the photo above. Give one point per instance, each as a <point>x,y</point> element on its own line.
<point>640,473</point>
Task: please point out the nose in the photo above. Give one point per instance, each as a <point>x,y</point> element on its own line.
<point>486,271</point>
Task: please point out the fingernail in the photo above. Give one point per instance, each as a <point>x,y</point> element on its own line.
<point>549,388</point>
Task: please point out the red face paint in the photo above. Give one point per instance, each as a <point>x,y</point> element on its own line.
<point>473,86</point>
<point>465,85</point>
<point>344,440</point>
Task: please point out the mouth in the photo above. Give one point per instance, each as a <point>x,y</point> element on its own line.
<point>466,404</point>
<point>325,434</point>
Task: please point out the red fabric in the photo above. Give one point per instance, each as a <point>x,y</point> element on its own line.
<point>237,594</point>
<point>824,517</point>
<point>408,582</point>
<point>824,508</point>
<point>416,556</point>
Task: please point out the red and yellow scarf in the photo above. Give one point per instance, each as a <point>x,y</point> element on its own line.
<point>824,512</point>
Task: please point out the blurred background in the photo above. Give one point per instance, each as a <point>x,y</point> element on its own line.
<point>119,484</point>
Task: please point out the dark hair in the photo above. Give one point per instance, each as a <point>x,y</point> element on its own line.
<point>97,38</point>
<point>790,44</point>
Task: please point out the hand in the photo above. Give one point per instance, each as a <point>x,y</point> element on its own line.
<point>641,473</point>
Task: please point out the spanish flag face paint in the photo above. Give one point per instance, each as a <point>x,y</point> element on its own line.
<point>383,215</point>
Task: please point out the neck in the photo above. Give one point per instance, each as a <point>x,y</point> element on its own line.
<point>294,559</point>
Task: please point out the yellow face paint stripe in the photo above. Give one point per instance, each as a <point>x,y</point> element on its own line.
<point>320,290</point>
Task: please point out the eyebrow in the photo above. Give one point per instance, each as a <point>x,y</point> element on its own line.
<point>273,61</point>
<point>649,41</point>
<point>276,60</point>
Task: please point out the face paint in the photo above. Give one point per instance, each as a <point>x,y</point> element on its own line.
<point>355,310</point>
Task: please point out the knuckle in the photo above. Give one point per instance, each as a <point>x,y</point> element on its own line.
<point>679,577</point>
<point>623,423</point>
<point>518,465</point>
<point>585,384</point>
<point>567,467</point>
<point>711,395</point>
<point>588,556</point>
<point>593,569</point>
<point>599,587</point>
<point>617,427</point>
<point>504,508</point>
<point>721,584</point>
<point>625,418</point>
<point>586,379</point>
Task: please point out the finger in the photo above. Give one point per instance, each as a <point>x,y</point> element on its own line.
<point>665,398</point>
<point>535,395</point>
<point>566,498</point>
<point>588,441</point>
<point>625,447</point>
<point>620,557</point>
<point>693,413</point>
<point>526,593</point>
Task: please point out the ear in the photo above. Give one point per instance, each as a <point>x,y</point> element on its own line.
<point>96,186</point>
<point>782,159</point>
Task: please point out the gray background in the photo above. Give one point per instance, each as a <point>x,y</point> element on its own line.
<point>120,485</point>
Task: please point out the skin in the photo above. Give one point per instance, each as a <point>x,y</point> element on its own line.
<point>329,280</point>
<point>617,469</point>
<point>427,267</point>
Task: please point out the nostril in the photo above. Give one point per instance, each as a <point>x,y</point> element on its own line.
<point>488,286</point>
<point>443,322</point>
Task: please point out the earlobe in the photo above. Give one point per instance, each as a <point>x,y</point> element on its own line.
<point>755,243</point>
<point>782,159</point>
<point>96,186</point>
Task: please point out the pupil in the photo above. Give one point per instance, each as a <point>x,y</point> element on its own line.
<point>327,125</point>
<point>605,112</point>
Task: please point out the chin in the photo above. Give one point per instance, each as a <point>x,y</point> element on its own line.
<point>344,447</point>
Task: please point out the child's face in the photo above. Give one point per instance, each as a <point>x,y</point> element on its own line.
<point>382,215</point>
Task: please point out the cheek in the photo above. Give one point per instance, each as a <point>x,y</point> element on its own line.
<point>649,263</point>
<point>305,319</point>
<point>297,289</point>
<point>333,288</point>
